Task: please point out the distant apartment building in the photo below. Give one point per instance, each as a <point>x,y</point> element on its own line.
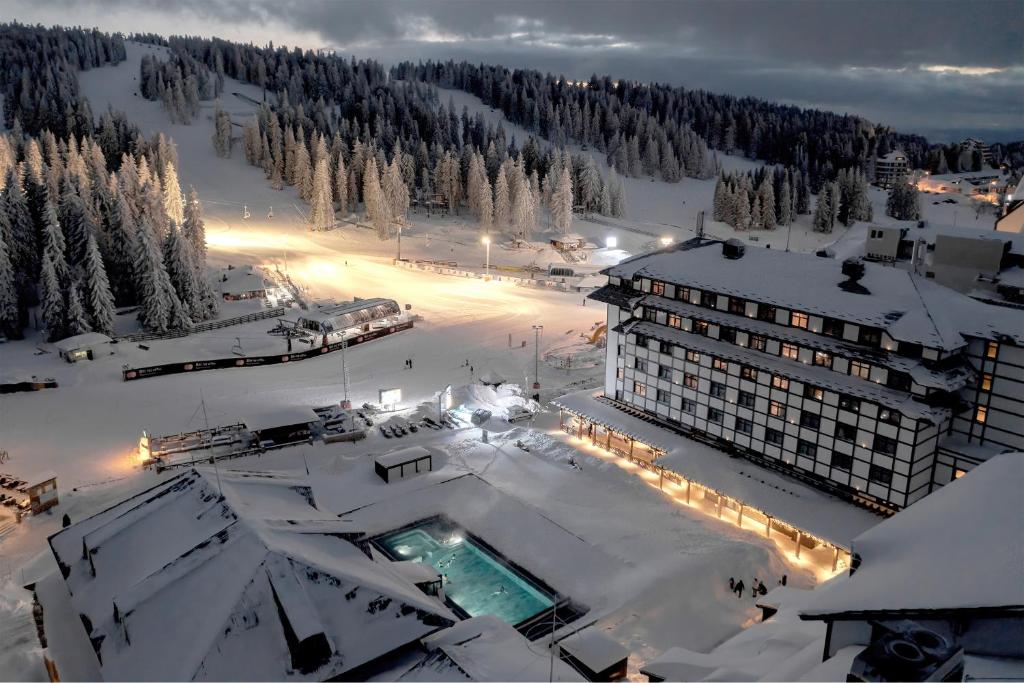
<point>972,145</point>
<point>894,167</point>
<point>865,380</point>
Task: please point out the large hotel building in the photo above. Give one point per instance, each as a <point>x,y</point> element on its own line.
<point>865,380</point>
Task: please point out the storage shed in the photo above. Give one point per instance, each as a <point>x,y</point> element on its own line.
<point>569,242</point>
<point>242,283</point>
<point>43,494</point>
<point>595,654</point>
<point>405,462</point>
<point>83,346</point>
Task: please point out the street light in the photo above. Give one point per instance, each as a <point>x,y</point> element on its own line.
<point>487,243</point>
<point>612,242</point>
<point>536,356</point>
<point>665,241</point>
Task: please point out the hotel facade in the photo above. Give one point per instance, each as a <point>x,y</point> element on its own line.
<point>869,382</point>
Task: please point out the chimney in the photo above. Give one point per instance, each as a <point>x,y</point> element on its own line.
<point>733,249</point>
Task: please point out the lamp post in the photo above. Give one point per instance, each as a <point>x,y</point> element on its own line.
<point>666,241</point>
<point>399,242</point>
<point>487,245</point>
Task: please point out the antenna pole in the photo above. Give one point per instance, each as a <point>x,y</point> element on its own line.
<point>213,456</point>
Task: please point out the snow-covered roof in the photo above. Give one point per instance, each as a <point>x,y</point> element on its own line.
<point>910,308</point>
<point>402,456</point>
<point>351,313</point>
<point>594,648</point>
<point>279,416</point>
<point>792,502</point>
<point>242,281</point>
<point>81,341</point>
<point>485,648</point>
<point>179,583</point>
<point>958,548</point>
<point>491,377</point>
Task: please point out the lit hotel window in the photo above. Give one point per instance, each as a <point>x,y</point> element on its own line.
<point>979,415</point>
<point>798,319</point>
<point>992,349</point>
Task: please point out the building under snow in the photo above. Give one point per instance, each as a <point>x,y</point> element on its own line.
<point>183,582</point>
<point>894,167</point>
<point>351,318</point>
<point>870,382</point>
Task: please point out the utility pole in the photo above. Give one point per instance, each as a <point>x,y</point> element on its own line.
<point>399,242</point>
<point>345,403</point>
<point>536,358</point>
<point>213,456</point>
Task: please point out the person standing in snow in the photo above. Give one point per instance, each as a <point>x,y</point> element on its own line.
<point>753,588</point>
<point>732,584</point>
<point>740,588</point>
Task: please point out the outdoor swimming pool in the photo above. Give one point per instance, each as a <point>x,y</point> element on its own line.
<point>476,580</point>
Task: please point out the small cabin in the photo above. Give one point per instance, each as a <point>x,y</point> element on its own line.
<point>282,426</point>
<point>595,654</point>
<point>569,242</point>
<point>403,463</point>
<point>237,284</point>
<point>43,495</point>
<point>83,346</point>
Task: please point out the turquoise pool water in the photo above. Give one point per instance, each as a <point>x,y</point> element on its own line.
<point>475,580</point>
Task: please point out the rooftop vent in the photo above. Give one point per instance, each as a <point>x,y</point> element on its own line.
<point>853,269</point>
<point>733,249</point>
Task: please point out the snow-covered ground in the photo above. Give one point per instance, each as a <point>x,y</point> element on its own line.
<point>659,576</point>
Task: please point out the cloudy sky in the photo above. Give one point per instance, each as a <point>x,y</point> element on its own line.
<point>933,67</point>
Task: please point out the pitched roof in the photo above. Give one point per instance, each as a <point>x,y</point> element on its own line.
<point>180,583</point>
<point>908,565</point>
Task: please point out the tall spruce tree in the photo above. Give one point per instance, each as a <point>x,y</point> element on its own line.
<point>99,301</point>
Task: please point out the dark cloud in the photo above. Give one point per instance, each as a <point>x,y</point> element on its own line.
<point>875,58</point>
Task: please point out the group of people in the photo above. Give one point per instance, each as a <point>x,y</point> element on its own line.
<point>408,363</point>
<point>756,589</point>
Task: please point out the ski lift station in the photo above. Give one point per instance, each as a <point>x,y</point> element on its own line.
<point>352,318</point>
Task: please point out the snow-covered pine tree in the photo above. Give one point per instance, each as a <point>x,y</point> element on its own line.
<point>523,216</point>
<point>180,265</point>
<point>903,203</point>
<point>741,210</point>
<point>785,201</point>
<point>77,319</point>
<point>822,221</point>
<point>373,200</point>
<point>302,176</point>
<point>341,186</point>
<point>321,210</point>
<point>766,193</point>
<point>23,243</point>
<point>51,299</point>
<point>395,194</point>
<point>99,301</point>
<point>221,131</point>
<point>10,324</point>
<point>860,205</point>
<point>192,227</point>
<point>502,199</point>
<point>718,209</point>
<point>158,302</point>
<point>590,186</point>
<point>485,204</point>
<point>173,202</point>
<point>618,194</point>
<point>562,202</point>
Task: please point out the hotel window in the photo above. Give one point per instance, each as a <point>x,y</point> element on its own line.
<point>889,416</point>
<point>986,382</point>
<point>640,364</point>
<point>664,372</point>
<point>790,351</point>
<point>745,399</point>
<point>675,320</point>
<point>823,358</point>
<point>806,448</point>
<point>693,356</point>
<point>744,426</point>
<point>719,364</point>
<point>689,406</point>
<point>757,342</point>
<point>898,380</point>
<point>620,373</point>
<point>700,327</point>
<point>766,313</point>
<point>737,306</point>
<point>714,415</point>
<point>842,461</point>
<point>849,403</point>
<point>880,475</point>
<point>869,336</point>
<point>776,409</point>
<point>832,327</point>
<point>639,389</point>
<point>650,315</point>
<point>810,420</point>
<point>780,382</point>
<point>884,444</point>
<point>683,293</point>
<point>658,287</point>
<point>690,381</point>
<point>980,414</point>
<point>666,347</point>
<point>662,396</point>
<point>957,473</point>
<point>859,369</point>
<point>773,436</point>
<point>797,319</point>
<point>845,432</point>
<point>814,393</point>
<point>641,340</point>
<point>717,390</point>
<point>727,334</point>
<point>708,299</point>
<point>747,372</point>
<point>991,349</point>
